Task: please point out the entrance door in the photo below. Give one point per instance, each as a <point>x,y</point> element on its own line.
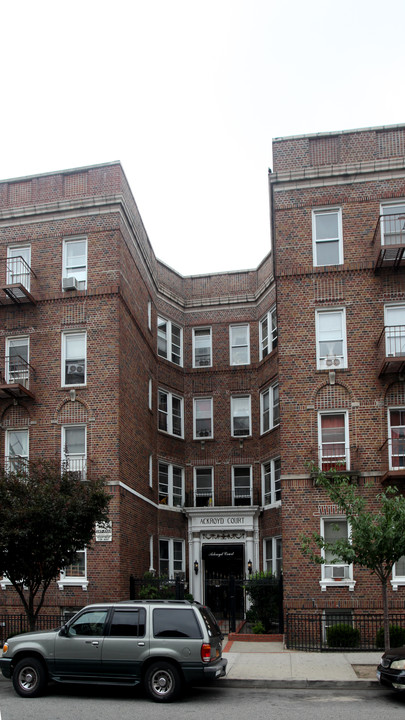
<point>221,562</point>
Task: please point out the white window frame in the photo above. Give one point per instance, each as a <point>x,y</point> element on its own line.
<point>23,457</point>
<point>272,469</point>
<point>69,580</point>
<point>394,334</point>
<point>169,413</point>
<point>150,470</point>
<point>399,209</point>
<point>234,410</point>
<point>272,411</point>
<point>206,493</point>
<point>173,571</point>
<point>234,347</point>
<point>342,575</point>
<point>167,336</point>
<point>149,314</point>
<point>17,272</point>
<point>150,393</point>
<point>268,342</point>
<point>401,456</point>
<point>21,375</point>
<point>321,461</point>
<point>275,559</point>
<point>199,435</point>
<point>331,361</point>
<point>398,579</point>
<point>80,271</point>
<point>170,495</point>
<point>76,462</point>
<point>234,494</point>
<point>65,335</point>
<point>320,241</point>
<point>208,335</point>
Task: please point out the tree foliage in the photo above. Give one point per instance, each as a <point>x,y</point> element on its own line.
<point>46,516</point>
<point>264,593</point>
<point>377,536</point>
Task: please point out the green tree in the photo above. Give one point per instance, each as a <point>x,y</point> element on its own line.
<point>46,516</point>
<point>377,537</point>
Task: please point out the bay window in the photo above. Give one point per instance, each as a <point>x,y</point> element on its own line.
<point>171,485</point>
<point>170,413</point>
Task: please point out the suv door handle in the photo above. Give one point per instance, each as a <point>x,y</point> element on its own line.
<point>141,644</point>
<point>92,642</point>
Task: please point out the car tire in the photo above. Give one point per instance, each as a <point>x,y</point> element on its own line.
<point>29,677</point>
<point>163,682</point>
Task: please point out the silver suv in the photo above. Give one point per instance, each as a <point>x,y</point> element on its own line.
<point>162,644</point>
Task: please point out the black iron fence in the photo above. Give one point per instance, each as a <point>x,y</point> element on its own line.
<point>332,630</point>
<point>14,624</point>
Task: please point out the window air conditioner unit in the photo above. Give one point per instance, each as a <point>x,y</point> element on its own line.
<point>332,360</point>
<point>338,572</point>
<point>69,283</point>
<point>74,369</point>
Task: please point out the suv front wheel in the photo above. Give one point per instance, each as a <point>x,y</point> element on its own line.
<point>29,677</point>
<point>163,682</point>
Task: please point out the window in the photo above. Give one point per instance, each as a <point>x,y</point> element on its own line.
<point>170,408</point>
<point>268,333</point>
<point>272,553</point>
<point>149,314</point>
<point>74,358</point>
<point>76,573</point>
<point>203,418</point>
<point>335,570</point>
<point>150,387</point>
<point>203,487</point>
<point>74,449</point>
<point>17,360</point>
<point>269,408</point>
<point>19,265</point>
<point>396,419</point>
<point>239,345</point>
<point>171,485</point>
<point>151,470</point>
<point>398,573</point>
<point>331,339</point>
<point>393,224</point>
<point>271,474</point>
<point>172,623</point>
<point>16,446</point>
<point>242,485</point>
<point>75,261</point>
<point>327,237</point>
<point>240,413</point>
<point>202,347</point>
<point>170,341</point>
<point>89,623</point>
<point>334,445</point>
<point>171,557</point>
<point>394,330</point>
<point>128,623</point>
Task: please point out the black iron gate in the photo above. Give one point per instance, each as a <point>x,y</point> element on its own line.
<point>225,595</point>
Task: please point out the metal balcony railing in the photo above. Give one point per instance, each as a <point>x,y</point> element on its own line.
<point>391,349</point>
<point>19,275</point>
<point>75,464</point>
<point>389,242</point>
<point>16,378</point>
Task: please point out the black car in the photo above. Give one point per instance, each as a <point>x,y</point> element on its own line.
<point>391,670</point>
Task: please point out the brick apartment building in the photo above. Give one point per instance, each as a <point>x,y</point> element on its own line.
<point>179,388</point>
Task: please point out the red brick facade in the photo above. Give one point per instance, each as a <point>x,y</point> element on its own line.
<point>132,436</point>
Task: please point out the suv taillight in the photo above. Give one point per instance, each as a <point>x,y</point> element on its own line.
<point>205,652</point>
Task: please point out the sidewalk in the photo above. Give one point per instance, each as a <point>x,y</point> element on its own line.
<point>266,665</point>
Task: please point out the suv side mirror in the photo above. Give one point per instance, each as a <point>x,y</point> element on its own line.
<point>63,631</point>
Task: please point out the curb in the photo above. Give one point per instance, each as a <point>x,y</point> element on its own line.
<point>266,684</point>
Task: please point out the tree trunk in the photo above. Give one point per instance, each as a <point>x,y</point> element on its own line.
<point>385,613</point>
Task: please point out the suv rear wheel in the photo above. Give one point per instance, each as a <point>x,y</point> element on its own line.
<point>163,682</point>
<point>29,677</point>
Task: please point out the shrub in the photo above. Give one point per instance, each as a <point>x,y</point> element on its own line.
<point>397,636</point>
<point>342,636</point>
<point>265,596</point>
<point>258,628</point>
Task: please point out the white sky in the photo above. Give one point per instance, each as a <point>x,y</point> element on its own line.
<point>188,95</point>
